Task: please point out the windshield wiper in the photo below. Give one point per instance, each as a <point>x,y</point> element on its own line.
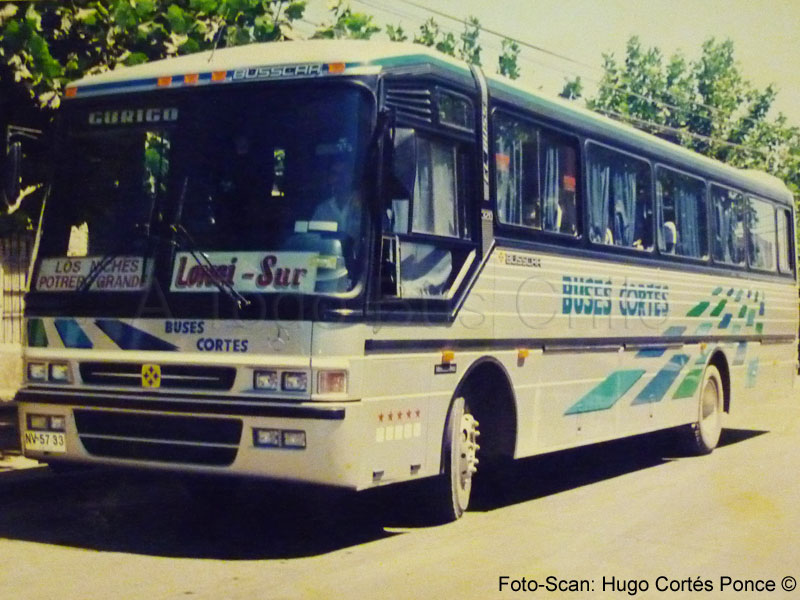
<point>190,246</point>
<point>141,233</point>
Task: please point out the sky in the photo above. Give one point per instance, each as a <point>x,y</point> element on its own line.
<point>766,34</point>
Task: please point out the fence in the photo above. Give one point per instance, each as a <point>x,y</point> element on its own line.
<point>15,255</point>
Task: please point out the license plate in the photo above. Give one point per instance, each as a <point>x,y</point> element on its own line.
<point>45,441</point>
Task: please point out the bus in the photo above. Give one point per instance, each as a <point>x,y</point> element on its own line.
<point>356,264</point>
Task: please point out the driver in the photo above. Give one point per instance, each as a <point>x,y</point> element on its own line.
<point>342,205</point>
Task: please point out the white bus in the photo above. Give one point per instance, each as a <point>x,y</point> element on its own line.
<point>340,262</point>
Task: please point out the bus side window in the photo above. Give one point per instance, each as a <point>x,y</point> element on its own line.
<point>620,204</point>
<point>784,245</point>
<point>761,230</point>
<point>682,206</point>
<point>728,212</point>
<point>424,216</point>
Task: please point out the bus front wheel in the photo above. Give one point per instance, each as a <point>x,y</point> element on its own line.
<point>703,434</point>
<point>459,456</point>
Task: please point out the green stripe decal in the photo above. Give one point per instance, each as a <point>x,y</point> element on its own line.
<point>689,384</point>
<point>742,312</point>
<point>699,309</point>
<point>718,308</point>
<point>658,386</point>
<point>759,328</point>
<point>37,336</point>
<point>606,394</point>
<point>717,292</point>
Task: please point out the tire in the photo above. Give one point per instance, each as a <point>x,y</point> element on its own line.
<point>703,435</point>
<point>453,487</point>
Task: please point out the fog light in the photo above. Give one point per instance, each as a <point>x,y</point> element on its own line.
<point>270,438</point>
<point>38,422</point>
<point>265,380</point>
<point>59,372</point>
<point>294,439</point>
<point>37,371</point>
<point>58,423</point>
<point>332,382</point>
<point>294,381</point>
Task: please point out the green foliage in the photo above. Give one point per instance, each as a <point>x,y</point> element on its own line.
<point>573,89</point>
<point>508,61</point>
<point>467,47</point>
<point>396,33</point>
<point>347,24</point>
<point>470,49</point>
<point>46,44</point>
<point>706,105</point>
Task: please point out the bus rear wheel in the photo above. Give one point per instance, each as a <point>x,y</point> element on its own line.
<point>703,435</point>
<point>459,454</point>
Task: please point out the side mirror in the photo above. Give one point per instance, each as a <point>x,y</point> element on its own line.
<point>12,173</point>
<point>404,160</point>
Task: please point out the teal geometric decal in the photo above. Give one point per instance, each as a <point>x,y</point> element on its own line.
<point>752,373</point>
<point>703,328</point>
<point>71,334</point>
<point>689,384</point>
<point>741,352</point>
<point>674,331</point>
<point>606,394</point>
<point>658,386</point>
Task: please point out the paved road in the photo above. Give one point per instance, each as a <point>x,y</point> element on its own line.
<point>629,510</point>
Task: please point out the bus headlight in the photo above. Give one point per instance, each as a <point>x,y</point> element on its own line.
<point>37,371</point>
<point>265,380</point>
<point>294,381</point>
<point>59,372</point>
<point>332,382</point>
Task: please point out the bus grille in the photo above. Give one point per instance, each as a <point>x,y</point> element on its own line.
<point>159,438</point>
<point>192,377</point>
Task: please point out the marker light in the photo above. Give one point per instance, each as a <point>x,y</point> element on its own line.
<point>267,438</point>
<point>59,372</point>
<point>294,439</point>
<point>37,371</point>
<point>58,423</point>
<point>38,422</point>
<point>294,381</point>
<point>46,422</point>
<point>265,380</point>
<point>332,382</point>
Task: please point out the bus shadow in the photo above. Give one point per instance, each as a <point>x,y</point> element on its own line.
<point>158,515</point>
<point>169,516</point>
<point>540,476</point>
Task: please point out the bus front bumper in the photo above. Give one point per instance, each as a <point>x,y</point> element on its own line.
<point>312,442</point>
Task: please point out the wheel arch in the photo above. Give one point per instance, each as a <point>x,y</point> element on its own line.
<point>496,412</point>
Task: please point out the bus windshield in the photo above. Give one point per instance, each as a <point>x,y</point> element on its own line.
<point>264,184</point>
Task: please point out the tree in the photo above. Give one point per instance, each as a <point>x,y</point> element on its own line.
<point>347,24</point>
<point>508,61</point>
<point>706,105</point>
